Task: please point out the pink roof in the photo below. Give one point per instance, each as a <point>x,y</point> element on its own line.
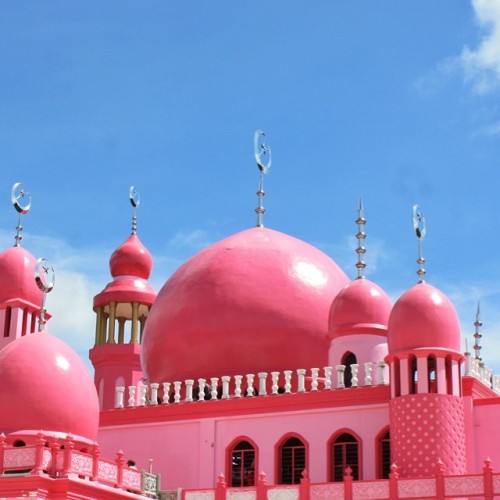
<point>44,385</point>
<point>423,317</point>
<point>131,258</point>
<point>361,307</point>
<point>256,301</point>
<point>17,269</point>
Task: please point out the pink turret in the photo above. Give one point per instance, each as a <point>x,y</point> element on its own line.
<point>121,309</point>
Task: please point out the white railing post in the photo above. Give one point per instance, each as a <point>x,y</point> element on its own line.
<point>301,382</point>
<point>201,389</point>
<point>177,391</point>
<point>237,386</point>
<point>467,364</point>
<point>225,386</point>
<point>381,373</point>
<point>368,373</point>
<point>142,394</point>
<point>166,393</point>
<point>131,396</point>
<point>189,390</point>
<point>288,381</point>
<point>314,382</point>
<point>275,379</point>
<point>214,381</point>
<point>354,375</point>
<point>154,393</point>
<point>262,383</point>
<point>119,397</point>
<point>250,390</point>
<point>328,377</point>
<point>340,376</point>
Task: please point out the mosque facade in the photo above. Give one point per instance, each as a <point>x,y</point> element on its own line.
<point>259,370</point>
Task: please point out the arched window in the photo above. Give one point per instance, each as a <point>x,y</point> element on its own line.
<point>384,451</point>
<point>242,472</point>
<point>347,360</point>
<point>431,373</point>
<point>292,461</point>
<point>345,453</point>
<point>6,326</point>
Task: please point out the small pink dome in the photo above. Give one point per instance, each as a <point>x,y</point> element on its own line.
<point>256,301</point>
<point>423,317</point>
<point>131,259</point>
<point>44,385</point>
<point>17,271</point>
<point>361,307</point>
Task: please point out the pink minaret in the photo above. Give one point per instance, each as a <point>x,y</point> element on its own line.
<point>426,407</point>
<point>121,309</point>
<point>20,297</point>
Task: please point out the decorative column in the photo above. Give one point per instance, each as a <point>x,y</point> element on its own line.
<point>135,310</point>
<point>111,326</point>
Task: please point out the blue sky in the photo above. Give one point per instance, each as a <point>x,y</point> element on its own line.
<point>394,101</point>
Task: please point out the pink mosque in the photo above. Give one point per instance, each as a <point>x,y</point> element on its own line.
<point>259,371</point>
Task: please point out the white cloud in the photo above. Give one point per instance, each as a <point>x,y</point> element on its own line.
<point>482,65</point>
<point>491,130</point>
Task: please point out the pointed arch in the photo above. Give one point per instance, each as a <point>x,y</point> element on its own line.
<point>348,359</point>
<point>292,458</point>
<point>241,462</point>
<point>344,450</point>
<point>383,451</point>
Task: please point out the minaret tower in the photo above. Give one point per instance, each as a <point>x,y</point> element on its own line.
<point>20,297</point>
<point>121,311</point>
<point>426,407</point>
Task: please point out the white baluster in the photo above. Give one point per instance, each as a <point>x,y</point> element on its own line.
<point>301,380</point>
<point>368,373</point>
<point>142,394</point>
<point>166,393</point>
<point>213,393</point>
<point>201,389</point>
<point>275,378</point>
<point>225,386</point>
<point>314,382</point>
<point>328,377</point>
<point>119,397</point>
<point>262,383</point>
<point>496,383</point>
<point>177,391</point>
<point>131,396</point>
<point>189,390</point>
<point>154,393</point>
<point>237,386</point>
<point>381,373</point>
<point>288,381</point>
<point>467,364</point>
<point>354,375</point>
<point>250,389</point>
<point>340,376</point>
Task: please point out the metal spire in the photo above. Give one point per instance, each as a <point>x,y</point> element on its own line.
<point>420,231</point>
<point>18,194</point>
<point>477,335</point>
<point>135,200</point>
<point>262,152</point>
<point>45,279</point>
<point>360,250</point>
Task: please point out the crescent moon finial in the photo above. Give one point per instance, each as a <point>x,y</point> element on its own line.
<point>21,200</point>
<point>135,201</point>
<point>477,333</point>
<point>420,231</point>
<point>360,250</point>
<point>45,279</point>
<point>263,158</point>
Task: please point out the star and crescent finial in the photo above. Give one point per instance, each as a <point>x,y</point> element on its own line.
<point>21,200</point>
<point>263,158</point>
<point>420,231</point>
<point>135,201</point>
<point>45,280</point>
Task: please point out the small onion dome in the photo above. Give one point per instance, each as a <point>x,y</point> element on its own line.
<point>423,317</point>
<point>130,266</point>
<point>131,259</point>
<point>44,385</point>
<point>361,307</point>
<point>17,268</point>
<point>255,301</point>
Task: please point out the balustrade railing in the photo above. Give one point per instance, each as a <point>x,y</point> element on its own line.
<point>250,385</point>
<point>474,367</point>
<point>58,458</point>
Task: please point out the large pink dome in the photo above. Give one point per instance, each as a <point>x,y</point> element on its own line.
<point>361,307</point>
<point>423,317</point>
<point>44,385</point>
<point>17,271</point>
<point>256,301</point>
